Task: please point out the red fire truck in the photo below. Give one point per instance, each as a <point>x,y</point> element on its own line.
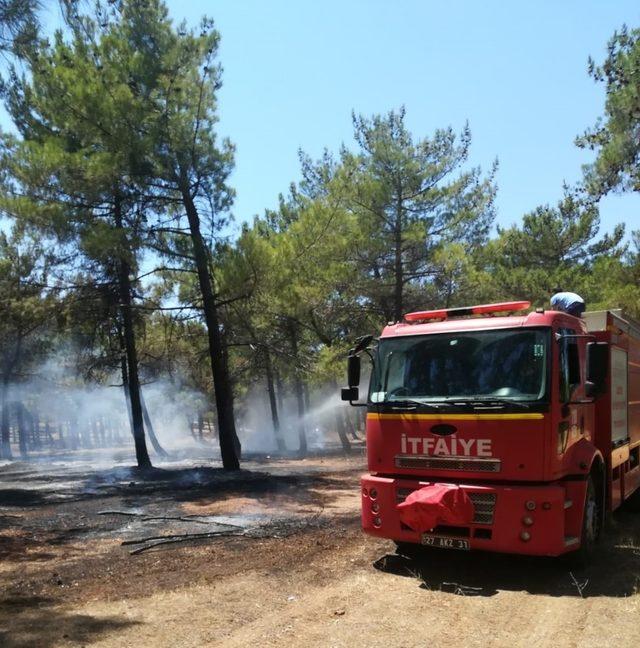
<point>497,429</point>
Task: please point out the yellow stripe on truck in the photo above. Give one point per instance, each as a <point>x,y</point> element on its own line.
<point>532,416</point>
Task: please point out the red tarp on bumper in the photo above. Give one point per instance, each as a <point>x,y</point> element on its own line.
<point>436,504</point>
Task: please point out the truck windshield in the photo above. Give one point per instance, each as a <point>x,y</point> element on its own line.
<point>499,364</point>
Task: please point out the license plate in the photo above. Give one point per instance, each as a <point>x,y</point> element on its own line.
<point>445,543</point>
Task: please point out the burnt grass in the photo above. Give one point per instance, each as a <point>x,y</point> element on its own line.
<point>61,529</point>
<point>43,507</point>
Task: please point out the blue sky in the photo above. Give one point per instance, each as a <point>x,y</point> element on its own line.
<point>517,71</point>
<point>294,71</point>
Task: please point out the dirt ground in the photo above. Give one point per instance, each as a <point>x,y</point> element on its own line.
<point>284,564</point>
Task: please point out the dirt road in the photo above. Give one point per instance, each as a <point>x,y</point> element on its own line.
<point>293,570</point>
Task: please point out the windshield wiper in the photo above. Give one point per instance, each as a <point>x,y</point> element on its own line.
<point>490,401</point>
<point>414,404</point>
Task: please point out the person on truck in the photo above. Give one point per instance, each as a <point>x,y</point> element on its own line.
<point>567,302</point>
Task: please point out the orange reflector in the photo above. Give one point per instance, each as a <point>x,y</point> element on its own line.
<point>482,309</point>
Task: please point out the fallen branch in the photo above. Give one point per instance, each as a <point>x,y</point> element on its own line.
<point>163,540</point>
<point>188,518</point>
<point>283,529</point>
<point>181,519</point>
<point>579,586</point>
<point>186,536</point>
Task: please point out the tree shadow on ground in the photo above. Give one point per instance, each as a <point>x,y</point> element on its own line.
<point>21,497</point>
<point>181,484</point>
<point>614,572</point>
<point>178,484</point>
<point>28,621</point>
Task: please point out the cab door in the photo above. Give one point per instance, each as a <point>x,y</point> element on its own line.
<point>576,411</point>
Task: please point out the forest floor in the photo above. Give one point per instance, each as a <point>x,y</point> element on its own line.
<point>293,570</point>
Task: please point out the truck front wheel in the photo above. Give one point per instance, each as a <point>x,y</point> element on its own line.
<point>591,523</point>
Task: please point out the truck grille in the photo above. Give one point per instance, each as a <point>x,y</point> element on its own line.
<point>484,504</point>
<point>448,463</point>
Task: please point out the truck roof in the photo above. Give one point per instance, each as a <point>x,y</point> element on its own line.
<point>536,318</point>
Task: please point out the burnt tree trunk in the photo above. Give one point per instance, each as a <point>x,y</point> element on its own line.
<point>351,427</point>
<point>47,434</point>
<point>338,413</point>
<point>95,432</point>
<point>74,433</point>
<point>125,384</point>
<point>229,444</point>
<point>4,425</point>
<point>128,334</point>
<point>300,423</point>
<point>190,427</point>
<point>150,431</point>
<point>341,429</point>
<point>35,430</point>
<point>275,420</point>
<point>307,397</point>
<point>22,429</point>
<point>298,390</point>
<point>279,390</point>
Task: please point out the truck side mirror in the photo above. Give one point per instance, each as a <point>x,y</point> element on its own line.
<point>350,394</point>
<point>597,366</point>
<point>353,371</point>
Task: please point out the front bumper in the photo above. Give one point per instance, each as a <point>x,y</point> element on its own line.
<point>498,523</point>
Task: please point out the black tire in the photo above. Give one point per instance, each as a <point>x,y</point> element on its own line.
<point>591,523</point>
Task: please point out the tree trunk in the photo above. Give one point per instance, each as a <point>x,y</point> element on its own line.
<point>279,390</point>
<point>6,439</point>
<point>307,398</point>
<point>22,429</point>
<point>190,428</point>
<point>124,284</point>
<point>229,444</point>
<point>35,429</point>
<point>74,434</point>
<point>95,433</point>
<point>352,428</point>
<point>298,390</point>
<point>47,433</point>
<point>300,424</point>
<point>339,418</point>
<point>150,431</point>
<point>125,383</point>
<point>275,420</point>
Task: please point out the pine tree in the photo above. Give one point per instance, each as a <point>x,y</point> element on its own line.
<point>616,138</point>
<point>82,128</point>
<point>410,197</point>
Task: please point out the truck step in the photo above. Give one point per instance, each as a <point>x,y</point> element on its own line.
<point>568,504</point>
<point>571,540</point>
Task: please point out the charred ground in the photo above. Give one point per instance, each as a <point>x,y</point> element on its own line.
<point>284,560</point>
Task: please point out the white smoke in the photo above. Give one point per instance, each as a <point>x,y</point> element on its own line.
<point>64,414</point>
<point>255,425</point>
